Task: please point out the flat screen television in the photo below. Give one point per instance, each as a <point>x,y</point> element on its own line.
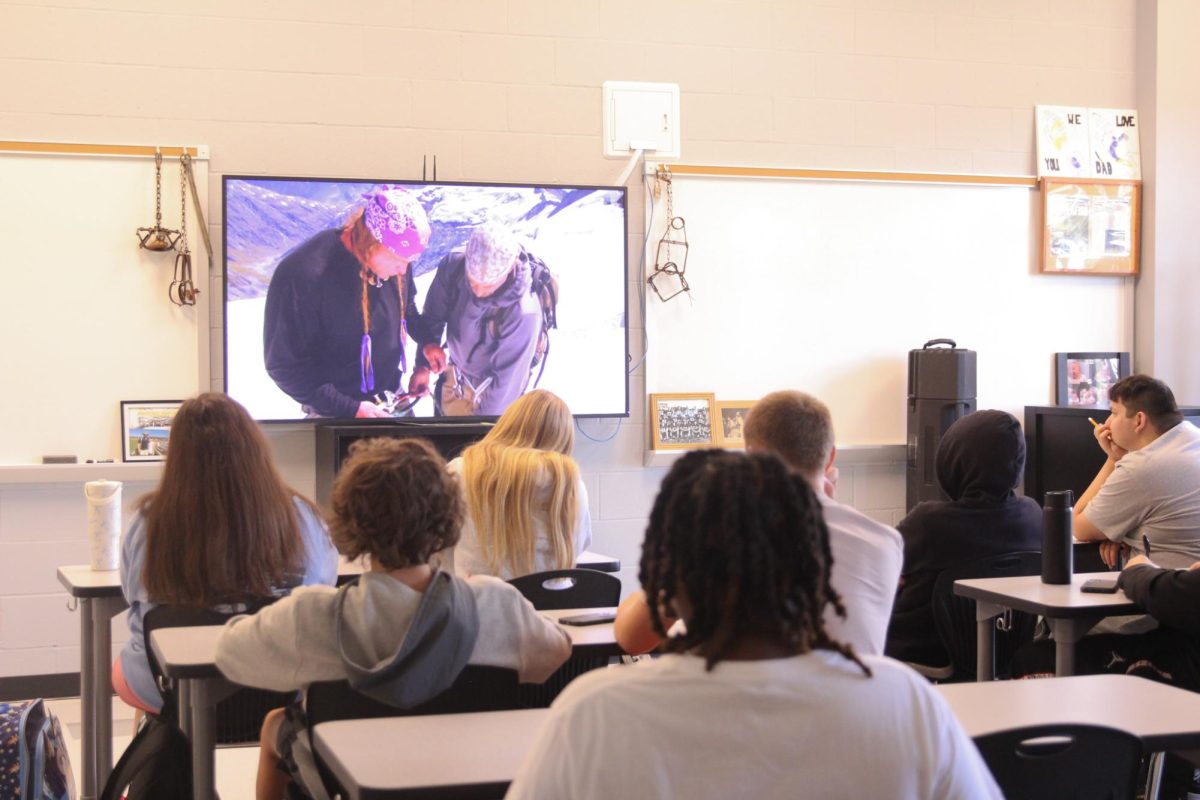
<point>515,286</point>
<point>1061,451</point>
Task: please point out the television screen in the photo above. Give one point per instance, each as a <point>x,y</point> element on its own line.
<point>367,299</point>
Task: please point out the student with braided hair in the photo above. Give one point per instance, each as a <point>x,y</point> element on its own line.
<point>756,698</point>
<point>341,308</point>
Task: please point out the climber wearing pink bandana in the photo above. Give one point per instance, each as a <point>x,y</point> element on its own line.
<point>341,308</point>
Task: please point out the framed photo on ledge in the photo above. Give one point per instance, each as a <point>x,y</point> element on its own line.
<point>1083,379</point>
<point>731,422</point>
<point>145,428</point>
<point>681,421</point>
<point>1090,226</point>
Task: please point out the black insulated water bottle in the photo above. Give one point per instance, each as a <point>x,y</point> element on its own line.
<point>1057,551</point>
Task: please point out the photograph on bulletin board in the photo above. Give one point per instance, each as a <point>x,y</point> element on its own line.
<point>1090,226</point>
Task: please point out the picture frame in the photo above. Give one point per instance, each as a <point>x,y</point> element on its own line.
<point>1082,380</point>
<point>730,418</point>
<point>681,421</point>
<point>1090,226</point>
<point>146,428</point>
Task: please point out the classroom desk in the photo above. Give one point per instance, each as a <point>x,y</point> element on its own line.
<point>462,756</point>
<point>1069,612</point>
<point>188,656</point>
<point>100,599</point>
<point>1162,716</point>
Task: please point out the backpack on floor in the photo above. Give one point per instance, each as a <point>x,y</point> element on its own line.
<point>34,764</point>
<point>157,765</point>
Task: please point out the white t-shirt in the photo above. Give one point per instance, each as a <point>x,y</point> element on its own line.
<point>1155,491</point>
<point>810,726</point>
<point>867,558</point>
<point>467,559</point>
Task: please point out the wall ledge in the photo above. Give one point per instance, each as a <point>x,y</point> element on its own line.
<point>851,455</point>
<point>11,474</point>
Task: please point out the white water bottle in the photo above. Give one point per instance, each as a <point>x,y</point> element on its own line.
<point>104,523</point>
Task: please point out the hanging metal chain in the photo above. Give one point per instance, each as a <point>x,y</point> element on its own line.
<point>157,238</point>
<point>668,279</point>
<point>157,188</point>
<point>182,292</point>
<point>183,193</point>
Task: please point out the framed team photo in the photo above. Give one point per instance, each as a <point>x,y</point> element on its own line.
<point>1083,379</point>
<point>145,428</point>
<point>681,421</point>
<point>731,421</point>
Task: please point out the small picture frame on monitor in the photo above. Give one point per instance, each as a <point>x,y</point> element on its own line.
<point>681,421</point>
<point>145,428</point>
<point>1083,379</point>
<point>731,422</point>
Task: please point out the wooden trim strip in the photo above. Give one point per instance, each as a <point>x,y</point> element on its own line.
<point>1027,181</point>
<point>65,148</point>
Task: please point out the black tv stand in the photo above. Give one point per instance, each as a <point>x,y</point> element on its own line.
<point>333,442</point>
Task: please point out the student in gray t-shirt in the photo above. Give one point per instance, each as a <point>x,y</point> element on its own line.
<point>1150,483</point>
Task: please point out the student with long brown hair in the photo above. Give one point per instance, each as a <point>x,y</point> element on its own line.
<point>527,508</point>
<point>221,529</point>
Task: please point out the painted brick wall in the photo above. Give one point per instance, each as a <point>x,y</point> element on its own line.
<point>510,90</point>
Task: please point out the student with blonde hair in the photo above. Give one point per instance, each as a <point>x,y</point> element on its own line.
<point>527,508</point>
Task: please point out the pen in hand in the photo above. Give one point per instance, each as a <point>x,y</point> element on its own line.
<point>1094,423</point>
<point>1146,544</point>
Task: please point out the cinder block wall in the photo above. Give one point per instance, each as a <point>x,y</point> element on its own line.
<point>510,90</point>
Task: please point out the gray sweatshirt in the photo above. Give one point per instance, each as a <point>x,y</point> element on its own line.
<point>293,642</point>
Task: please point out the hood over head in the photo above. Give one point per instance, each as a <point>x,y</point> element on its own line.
<point>437,645</point>
<point>981,458</point>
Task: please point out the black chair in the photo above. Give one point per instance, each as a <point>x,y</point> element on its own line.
<point>1085,762</point>
<point>477,688</point>
<point>240,715</point>
<point>548,591</point>
<point>954,616</point>
<point>584,588</point>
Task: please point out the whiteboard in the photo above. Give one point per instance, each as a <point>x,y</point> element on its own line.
<point>825,286</point>
<point>86,321</point>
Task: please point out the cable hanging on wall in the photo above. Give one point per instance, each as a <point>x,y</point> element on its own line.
<point>667,280</point>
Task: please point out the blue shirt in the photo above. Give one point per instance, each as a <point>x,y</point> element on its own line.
<point>320,567</point>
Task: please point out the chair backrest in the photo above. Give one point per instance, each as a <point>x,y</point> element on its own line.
<point>954,616</point>
<point>1089,762</point>
<point>239,716</point>
<point>477,688</point>
<point>569,588</point>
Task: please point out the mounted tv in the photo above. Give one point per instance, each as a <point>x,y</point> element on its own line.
<point>365,299</point>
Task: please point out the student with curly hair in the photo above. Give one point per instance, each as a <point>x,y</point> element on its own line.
<point>756,699</point>
<point>405,630</point>
<point>527,507</point>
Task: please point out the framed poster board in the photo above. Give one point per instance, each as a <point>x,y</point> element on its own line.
<point>1090,226</point>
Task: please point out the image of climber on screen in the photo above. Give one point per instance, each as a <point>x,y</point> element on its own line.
<point>494,302</point>
<point>341,306</point>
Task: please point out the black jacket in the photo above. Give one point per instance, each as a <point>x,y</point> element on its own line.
<point>313,327</point>
<point>979,463</point>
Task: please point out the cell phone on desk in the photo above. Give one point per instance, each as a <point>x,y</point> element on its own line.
<point>591,618</point>
<point>1099,586</point>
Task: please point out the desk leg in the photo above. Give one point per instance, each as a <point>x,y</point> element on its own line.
<point>1067,633</point>
<point>985,639</point>
<point>1154,776</point>
<point>204,729</point>
<point>103,610</point>
<point>87,700</point>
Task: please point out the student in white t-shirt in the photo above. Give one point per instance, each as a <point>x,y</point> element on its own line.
<point>757,699</point>
<point>867,555</point>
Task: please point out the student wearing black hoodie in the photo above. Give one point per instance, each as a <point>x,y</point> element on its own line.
<point>980,461</point>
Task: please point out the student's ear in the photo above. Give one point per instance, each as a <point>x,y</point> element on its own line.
<point>832,458</point>
<point>1140,420</point>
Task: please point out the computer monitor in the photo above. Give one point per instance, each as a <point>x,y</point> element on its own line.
<point>1061,450</point>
